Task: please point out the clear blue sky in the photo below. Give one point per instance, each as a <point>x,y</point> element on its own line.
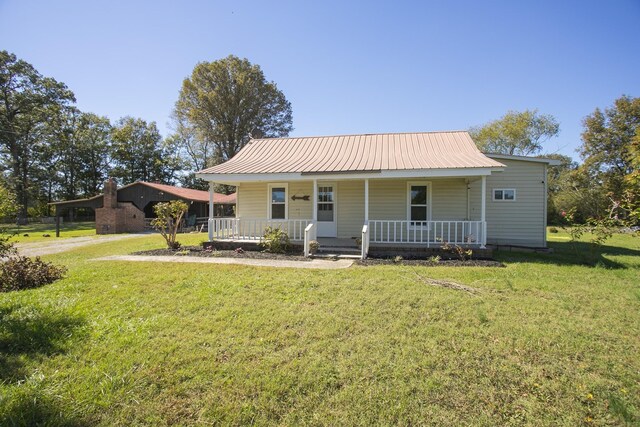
<point>346,67</point>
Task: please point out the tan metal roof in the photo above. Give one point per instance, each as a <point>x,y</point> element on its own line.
<point>357,153</point>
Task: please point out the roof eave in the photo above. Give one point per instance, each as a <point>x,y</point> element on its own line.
<point>236,178</point>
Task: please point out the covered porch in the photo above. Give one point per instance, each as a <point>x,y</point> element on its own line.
<point>421,211</point>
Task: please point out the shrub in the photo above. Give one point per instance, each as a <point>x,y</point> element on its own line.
<point>314,246</point>
<point>461,253</point>
<point>169,216</point>
<point>435,259</point>
<point>25,273</point>
<point>275,240</point>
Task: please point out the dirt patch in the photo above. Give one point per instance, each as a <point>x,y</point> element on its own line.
<point>196,251</point>
<point>427,263</point>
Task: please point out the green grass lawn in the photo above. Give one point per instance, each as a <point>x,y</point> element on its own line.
<point>547,341</point>
<point>35,232</point>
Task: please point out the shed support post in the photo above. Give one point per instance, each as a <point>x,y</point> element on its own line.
<point>366,201</point>
<point>211,211</point>
<point>483,212</point>
<point>57,223</point>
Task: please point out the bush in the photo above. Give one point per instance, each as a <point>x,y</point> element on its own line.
<point>168,218</point>
<point>275,240</point>
<point>314,246</point>
<point>461,253</point>
<point>25,273</point>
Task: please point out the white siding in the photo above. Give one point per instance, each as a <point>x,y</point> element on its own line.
<point>350,208</point>
<point>519,222</point>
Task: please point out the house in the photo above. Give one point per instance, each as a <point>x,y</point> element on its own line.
<point>399,189</point>
<point>129,209</point>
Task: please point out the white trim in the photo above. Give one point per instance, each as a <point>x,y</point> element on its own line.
<point>232,178</point>
<point>552,162</point>
<point>366,202</point>
<point>334,186</point>
<point>286,198</point>
<point>493,194</point>
<point>428,185</point>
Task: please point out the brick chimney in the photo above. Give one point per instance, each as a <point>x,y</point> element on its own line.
<point>110,194</point>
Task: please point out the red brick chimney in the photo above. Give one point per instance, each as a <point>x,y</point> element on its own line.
<point>110,194</point>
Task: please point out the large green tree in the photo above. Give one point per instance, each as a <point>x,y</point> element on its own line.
<point>82,152</point>
<point>609,145</point>
<point>225,103</point>
<point>140,154</point>
<point>516,133</point>
<point>27,102</point>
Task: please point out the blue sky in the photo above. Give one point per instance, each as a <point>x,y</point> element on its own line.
<point>346,67</point>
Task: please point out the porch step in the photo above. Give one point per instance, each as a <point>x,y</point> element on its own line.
<point>345,250</point>
<point>336,255</point>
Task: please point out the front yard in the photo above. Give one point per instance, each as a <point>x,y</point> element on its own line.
<point>546,341</point>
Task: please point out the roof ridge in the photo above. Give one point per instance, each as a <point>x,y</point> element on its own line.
<point>359,134</point>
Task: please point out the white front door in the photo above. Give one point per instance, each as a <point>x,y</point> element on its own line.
<point>327,210</point>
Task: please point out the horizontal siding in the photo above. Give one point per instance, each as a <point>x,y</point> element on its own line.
<point>350,208</point>
<point>252,200</point>
<point>301,209</point>
<point>449,199</point>
<point>521,222</point>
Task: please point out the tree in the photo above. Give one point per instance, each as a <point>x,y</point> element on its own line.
<point>168,218</point>
<point>609,145</point>
<point>516,133</point>
<point>225,103</point>
<point>139,153</point>
<point>27,102</point>
<point>8,205</point>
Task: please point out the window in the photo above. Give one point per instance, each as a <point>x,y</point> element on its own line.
<point>419,202</point>
<point>277,201</point>
<point>325,203</point>
<point>504,194</point>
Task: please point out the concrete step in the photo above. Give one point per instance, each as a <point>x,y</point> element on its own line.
<point>336,255</point>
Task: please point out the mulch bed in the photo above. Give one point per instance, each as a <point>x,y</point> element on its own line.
<point>196,251</point>
<point>427,263</point>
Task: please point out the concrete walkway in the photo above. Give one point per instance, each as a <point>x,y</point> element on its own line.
<point>55,245</point>
<point>315,264</point>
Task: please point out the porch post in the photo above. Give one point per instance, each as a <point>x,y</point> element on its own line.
<point>483,209</point>
<point>366,201</point>
<point>315,201</point>
<point>211,208</point>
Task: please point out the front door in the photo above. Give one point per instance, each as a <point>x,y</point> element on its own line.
<point>327,221</point>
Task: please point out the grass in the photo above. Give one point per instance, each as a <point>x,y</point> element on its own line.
<point>35,232</point>
<point>548,341</point>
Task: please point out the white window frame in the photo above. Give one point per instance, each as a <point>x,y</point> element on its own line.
<point>493,194</point>
<point>409,185</point>
<point>270,186</point>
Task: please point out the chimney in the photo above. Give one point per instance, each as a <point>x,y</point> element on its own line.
<point>110,194</point>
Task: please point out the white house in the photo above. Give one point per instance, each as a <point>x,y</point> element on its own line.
<point>400,189</point>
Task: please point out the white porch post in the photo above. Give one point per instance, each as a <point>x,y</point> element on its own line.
<point>366,201</point>
<point>483,212</point>
<point>315,201</point>
<point>211,207</point>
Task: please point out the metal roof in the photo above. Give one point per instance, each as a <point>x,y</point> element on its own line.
<point>357,153</point>
<point>184,193</point>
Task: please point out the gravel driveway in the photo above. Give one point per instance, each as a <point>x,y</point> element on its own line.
<point>55,246</point>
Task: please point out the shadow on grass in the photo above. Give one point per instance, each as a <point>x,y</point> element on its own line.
<point>29,334</point>
<point>35,410</point>
<point>579,253</point>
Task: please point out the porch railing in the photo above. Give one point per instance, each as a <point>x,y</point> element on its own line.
<point>428,232</point>
<point>366,237</point>
<point>310,234</point>
<point>253,229</point>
